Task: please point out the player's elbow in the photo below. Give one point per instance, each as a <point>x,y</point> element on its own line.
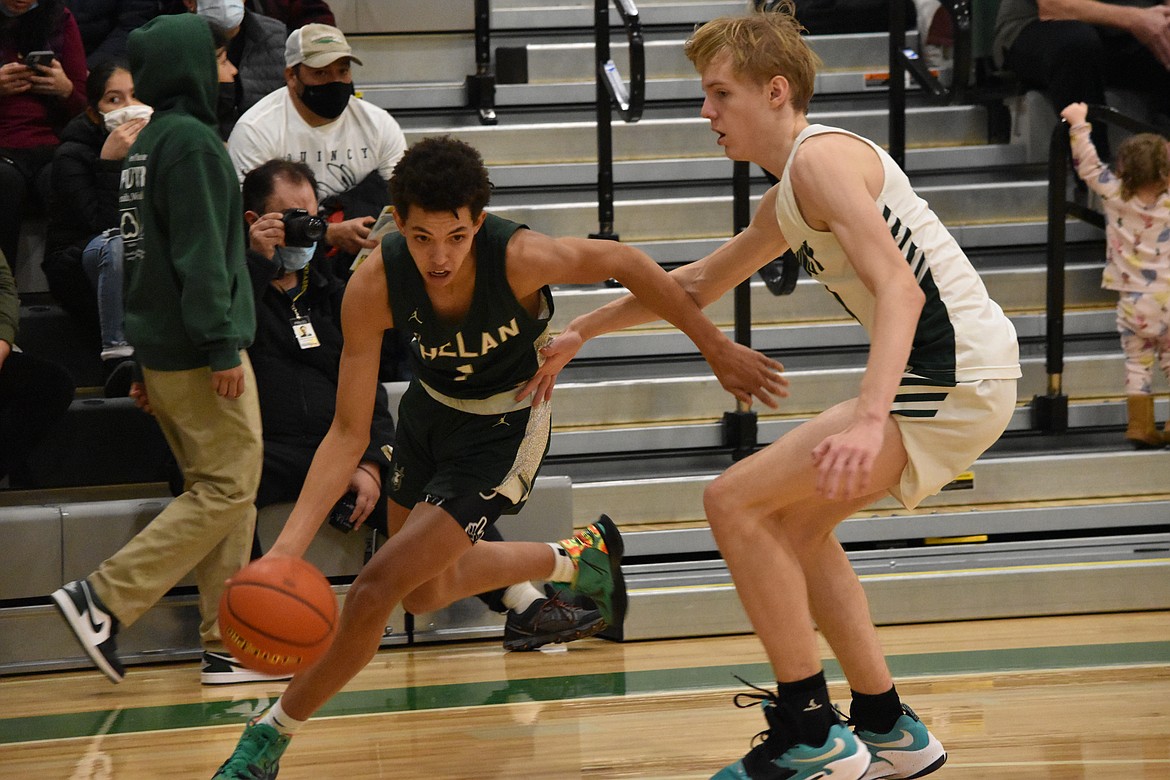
<point>911,299</point>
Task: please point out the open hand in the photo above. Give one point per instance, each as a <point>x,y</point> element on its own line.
<point>118,142</point>
<point>352,235</point>
<point>748,374</point>
<point>557,354</point>
<point>844,461</point>
<point>1152,29</point>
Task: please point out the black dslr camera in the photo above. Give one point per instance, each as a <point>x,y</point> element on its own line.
<point>302,228</point>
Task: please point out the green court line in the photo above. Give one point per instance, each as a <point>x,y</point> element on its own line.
<point>580,686</point>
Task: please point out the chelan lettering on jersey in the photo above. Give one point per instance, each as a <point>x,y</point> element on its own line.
<point>460,348</point>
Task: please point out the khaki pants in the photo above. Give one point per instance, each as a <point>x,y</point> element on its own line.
<point>208,529</point>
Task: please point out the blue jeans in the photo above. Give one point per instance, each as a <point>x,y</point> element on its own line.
<point>102,261</point>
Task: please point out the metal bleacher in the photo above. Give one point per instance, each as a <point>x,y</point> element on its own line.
<point>1043,523</point>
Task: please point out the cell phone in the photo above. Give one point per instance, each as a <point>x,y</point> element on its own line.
<point>339,515</point>
<point>39,61</point>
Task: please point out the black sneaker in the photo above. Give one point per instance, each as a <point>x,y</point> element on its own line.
<point>223,669</point>
<point>562,617</point>
<point>119,379</point>
<point>93,624</point>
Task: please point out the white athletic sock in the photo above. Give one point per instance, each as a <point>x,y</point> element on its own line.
<point>521,596</point>
<point>280,720</point>
<point>564,569</point>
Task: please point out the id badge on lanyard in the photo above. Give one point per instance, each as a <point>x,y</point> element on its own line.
<point>303,330</point>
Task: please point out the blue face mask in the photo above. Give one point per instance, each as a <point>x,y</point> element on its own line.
<point>294,258</point>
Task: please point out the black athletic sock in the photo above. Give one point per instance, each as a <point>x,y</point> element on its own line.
<point>805,708</point>
<point>876,712</point>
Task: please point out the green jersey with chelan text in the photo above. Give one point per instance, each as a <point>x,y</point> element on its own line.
<point>494,349</point>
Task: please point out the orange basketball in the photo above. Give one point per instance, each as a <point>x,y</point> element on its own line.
<point>278,615</point>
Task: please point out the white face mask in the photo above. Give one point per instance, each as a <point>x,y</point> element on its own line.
<point>224,14</point>
<point>120,116</point>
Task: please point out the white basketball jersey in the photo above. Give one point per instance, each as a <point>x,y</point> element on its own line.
<point>962,334</point>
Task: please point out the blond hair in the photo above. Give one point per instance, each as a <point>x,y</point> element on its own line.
<point>761,46</point>
<point>1142,160</point>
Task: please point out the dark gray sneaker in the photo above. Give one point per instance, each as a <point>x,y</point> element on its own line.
<point>561,617</point>
<point>94,626</point>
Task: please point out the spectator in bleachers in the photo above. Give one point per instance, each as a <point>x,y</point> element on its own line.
<point>294,13</point>
<point>297,375</point>
<point>35,104</point>
<point>351,145</point>
<point>1073,50</point>
<point>34,393</point>
<point>255,47</point>
<point>190,316</point>
<point>1135,195</point>
<point>83,252</point>
<point>296,372</point>
<point>104,25</point>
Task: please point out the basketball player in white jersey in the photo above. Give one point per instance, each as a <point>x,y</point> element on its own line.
<point>939,388</point>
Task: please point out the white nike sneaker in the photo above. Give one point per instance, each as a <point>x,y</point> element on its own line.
<point>93,624</point>
<point>906,751</point>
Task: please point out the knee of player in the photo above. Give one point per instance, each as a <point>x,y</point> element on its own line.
<point>422,600</point>
<point>723,502</point>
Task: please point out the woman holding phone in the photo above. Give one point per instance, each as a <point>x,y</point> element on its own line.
<point>35,103</point>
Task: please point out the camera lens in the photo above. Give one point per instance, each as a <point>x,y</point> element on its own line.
<point>302,228</point>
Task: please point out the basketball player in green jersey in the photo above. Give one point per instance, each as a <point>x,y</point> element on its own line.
<point>939,388</point>
<point>473,289</point>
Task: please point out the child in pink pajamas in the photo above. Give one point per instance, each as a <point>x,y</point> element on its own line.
<point>1136,198</point>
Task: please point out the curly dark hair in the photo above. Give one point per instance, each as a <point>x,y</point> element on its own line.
<point>440,174</point>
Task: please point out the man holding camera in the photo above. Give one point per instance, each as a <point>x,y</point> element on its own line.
<point>298,337</point>
<point>296,356</point>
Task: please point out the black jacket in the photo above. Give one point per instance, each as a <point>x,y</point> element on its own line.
<point>298,387</point>
<point>84,202</point>
<point>105,24</point>
<point>84,186</point>
<point>257,51</point>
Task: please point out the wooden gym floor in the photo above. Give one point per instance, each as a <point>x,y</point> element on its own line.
<point>1052,697</point>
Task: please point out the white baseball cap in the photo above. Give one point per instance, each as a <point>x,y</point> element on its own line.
<point>316,45</point>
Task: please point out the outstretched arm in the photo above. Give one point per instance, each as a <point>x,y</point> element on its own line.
<point>704,281</point>
<point>543,260</point>
<point>365,316</point>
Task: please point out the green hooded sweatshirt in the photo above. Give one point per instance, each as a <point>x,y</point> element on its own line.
<point>188,297</point>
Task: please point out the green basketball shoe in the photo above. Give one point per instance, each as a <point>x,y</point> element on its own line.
<point>597,554</point>
<point>780,757</point>
<point>257,754</point>
<point>908,750</point>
